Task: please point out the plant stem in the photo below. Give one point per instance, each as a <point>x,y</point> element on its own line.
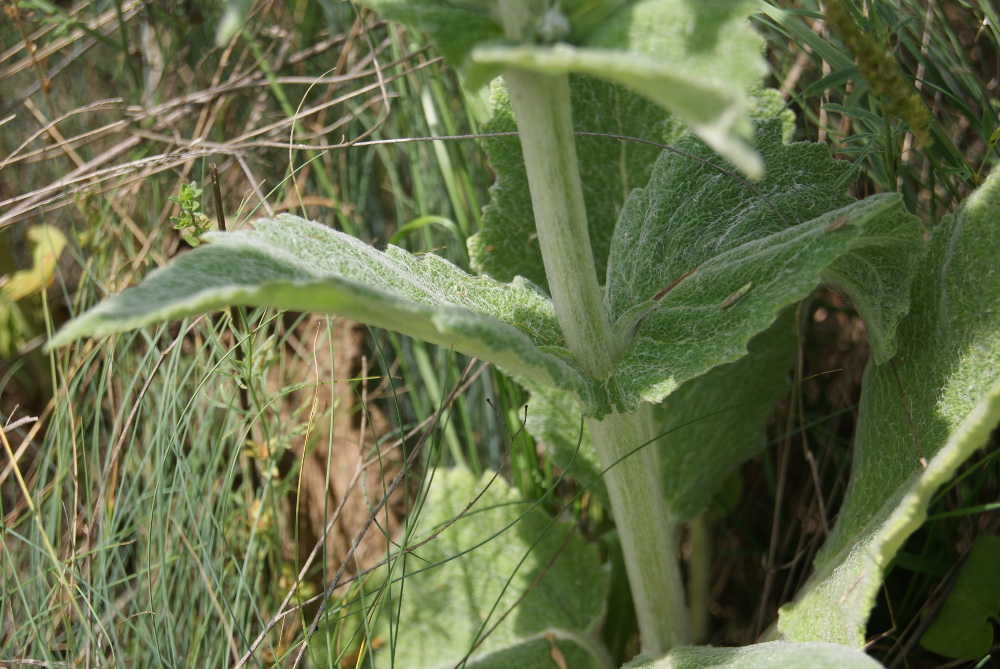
<point>648,535</point>
<point>542,109</point>
<point>699,577</point>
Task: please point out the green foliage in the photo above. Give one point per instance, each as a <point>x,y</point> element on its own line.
<point>156,496</point>
<point>723,229</point>
<point>506,244</point>
<point>714,422</point>
<point>295,264</point>
<point>232,20</point>
<point>963,628</point>
<point>192,223</point>
<point>730,237</point>
<point>881,73</point>
<point>141,442</point>
<point>610,169</point>
<point>940,56</point>
<point>705,429</point>
<point>747,253</point>
<point>648,46</point>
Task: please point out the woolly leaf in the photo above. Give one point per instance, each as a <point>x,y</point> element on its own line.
<point>963,628</point>
<point>700,262</point>
<point>292,263</point>
<point>774,655</point>
<point>506,245</point>
<point>945,379</point>
<point>690,212</point>
<point>710,424</point>
<point>693,59</point>
<point>715,422</point>
<point>555,421</point>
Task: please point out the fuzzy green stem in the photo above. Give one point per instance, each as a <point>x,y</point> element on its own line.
<point>648,535</point>
<point>542,108</point>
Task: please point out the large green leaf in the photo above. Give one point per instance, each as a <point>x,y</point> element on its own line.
<point>948,366</point>
<point>717,131</point>
<point>295,264</point>
<point>506,245</point>
<point>468,577</point>
<point>700,263</point>
<point>774,655</point>
<point>690,212</point>
<point>694,59</point>
<point>555,421</point>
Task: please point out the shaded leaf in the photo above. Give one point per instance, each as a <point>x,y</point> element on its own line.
<point>506,245</point>
<point>963,628</point>
<point>715,422</point>
<point>555,421</point>
<point>694,59</point>
<point>710,424</point>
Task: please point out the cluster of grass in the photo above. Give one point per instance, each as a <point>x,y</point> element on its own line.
<point>149,516</point>
<point>150,513</point>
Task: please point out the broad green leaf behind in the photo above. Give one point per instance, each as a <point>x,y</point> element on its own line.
<point>715,422</point>
<point>695,60</point>
<point>710,425</point>
<point>963,627</point>
<point>462,582</point>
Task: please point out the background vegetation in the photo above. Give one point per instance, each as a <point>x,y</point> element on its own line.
<point>161,485</point>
